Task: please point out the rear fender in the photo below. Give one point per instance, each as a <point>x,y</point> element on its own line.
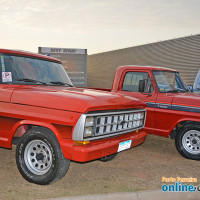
<point>175,126</point>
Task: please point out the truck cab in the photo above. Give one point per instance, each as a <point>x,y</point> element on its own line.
<point>172,110</point>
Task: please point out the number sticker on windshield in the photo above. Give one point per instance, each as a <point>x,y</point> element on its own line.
<point>6,76</point>
<point>2,64</point>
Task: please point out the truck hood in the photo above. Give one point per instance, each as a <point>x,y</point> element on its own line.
<point>72,99</point>
<point>187,99</point>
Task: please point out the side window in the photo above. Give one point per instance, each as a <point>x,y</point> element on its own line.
<point>132,80</point>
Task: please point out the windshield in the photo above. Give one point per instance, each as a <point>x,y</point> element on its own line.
<point>25,70</point>
<point>168,81</point>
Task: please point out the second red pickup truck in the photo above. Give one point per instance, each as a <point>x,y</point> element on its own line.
<point>172,110</point>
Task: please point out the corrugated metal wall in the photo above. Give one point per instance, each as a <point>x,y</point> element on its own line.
<point>182,54</point>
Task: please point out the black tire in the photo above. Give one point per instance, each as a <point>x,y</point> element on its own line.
<point>188,141</point>
<point>39,157</point>
<point>109,157</point>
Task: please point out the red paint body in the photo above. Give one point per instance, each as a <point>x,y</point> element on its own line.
<point>160,121</point>
<point>58,108</point>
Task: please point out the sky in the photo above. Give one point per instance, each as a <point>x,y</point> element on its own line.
<point>96,25</point>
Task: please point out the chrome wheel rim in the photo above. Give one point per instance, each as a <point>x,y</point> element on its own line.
<point>38,157</point>
<point>191,141</point>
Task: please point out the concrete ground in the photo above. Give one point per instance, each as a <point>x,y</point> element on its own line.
<point>144,195</point>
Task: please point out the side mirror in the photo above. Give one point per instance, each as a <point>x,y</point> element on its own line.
<point>190,87</point>
<point>142,84</point>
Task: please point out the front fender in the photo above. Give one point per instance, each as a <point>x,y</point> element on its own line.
<point>34,123</point>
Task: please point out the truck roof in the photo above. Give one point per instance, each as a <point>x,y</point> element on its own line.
<point>29,54</point>
<point>138,67</point>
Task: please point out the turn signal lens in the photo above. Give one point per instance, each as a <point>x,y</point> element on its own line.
<point>81,143</point>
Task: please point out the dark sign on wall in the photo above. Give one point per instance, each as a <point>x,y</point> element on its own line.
<point>74,61</point>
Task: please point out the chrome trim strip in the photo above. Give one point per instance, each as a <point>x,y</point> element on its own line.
<point>114,113</point>
<point>173,107</point>
<point>79,128</point>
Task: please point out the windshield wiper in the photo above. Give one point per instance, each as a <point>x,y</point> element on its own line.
<point>61,83</point>
<point>30,81</point>
<point>175,91</point>
<point>182,90</point>
<point>172,91</point>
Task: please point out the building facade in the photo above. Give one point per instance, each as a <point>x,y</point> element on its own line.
<point>182,54</point>
<point>74,61</point>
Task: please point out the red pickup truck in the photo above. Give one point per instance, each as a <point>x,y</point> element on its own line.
<point>53,122</point>
<point>172,110</point>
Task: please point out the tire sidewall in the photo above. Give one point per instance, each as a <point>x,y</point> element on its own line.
<point>26,173</point>
<point>179,145</point>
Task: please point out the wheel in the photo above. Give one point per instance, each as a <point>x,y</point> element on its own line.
<point>39,157</point>
<point>188,141</point>
<point>108,158</point>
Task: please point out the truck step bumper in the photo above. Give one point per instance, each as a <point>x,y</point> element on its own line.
<point>101,148</point>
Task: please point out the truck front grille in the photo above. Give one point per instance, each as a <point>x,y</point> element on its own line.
<point>120,122</point>
<point>97,125</point>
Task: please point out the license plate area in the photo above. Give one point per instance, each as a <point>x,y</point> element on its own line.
<point>124,145</point>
